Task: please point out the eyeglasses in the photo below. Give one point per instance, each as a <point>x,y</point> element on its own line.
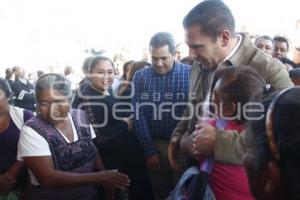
<point>270,122</point>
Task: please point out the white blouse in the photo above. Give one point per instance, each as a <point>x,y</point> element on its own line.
<point>33,144</point>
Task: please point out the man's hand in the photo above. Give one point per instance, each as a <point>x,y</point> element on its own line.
<point>204,139</point>
<point>172,151</point>
<point>152,163</point>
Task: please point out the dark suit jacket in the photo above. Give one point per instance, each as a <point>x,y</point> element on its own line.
<point>24,95</point>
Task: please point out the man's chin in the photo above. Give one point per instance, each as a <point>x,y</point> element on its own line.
<point>204,65</point>
<point>161,72</point>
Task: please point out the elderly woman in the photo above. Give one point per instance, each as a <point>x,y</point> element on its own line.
<point>273,138</point>
<point>57,147</point>
<point>12,173</point>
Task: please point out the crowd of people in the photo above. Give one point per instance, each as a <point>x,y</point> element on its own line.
<point>220,124</point>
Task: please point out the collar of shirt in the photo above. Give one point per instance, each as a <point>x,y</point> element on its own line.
<point>205,108</point>
<point>234,50</point>
<point>169,72</point>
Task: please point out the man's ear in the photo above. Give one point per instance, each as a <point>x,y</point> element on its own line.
<point>273,178</point>
<point>224,37</point>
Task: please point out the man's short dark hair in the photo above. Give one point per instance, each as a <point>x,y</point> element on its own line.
<point>15,68</point>
<point>4,86</point>
<point>281,39</point>
<point>265,37</point>
<point>40,73</point>
<point>295,73</point>
<point>213,16</point>
<point>162,39</point>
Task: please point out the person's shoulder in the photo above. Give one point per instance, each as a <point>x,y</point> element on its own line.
<point>262,60</point>
<point>27,115</point>
<point>29,84</point>
<point>32,120</point>
<point>16,82</point>
<point>182,65</point>
<point>27,129</point>
<point>30,124</point>
<point>10,81</point>
<point>144,72</point>
<point>255,55</point>
<point>84,91</point>
<point>32,143</point>
<point>127,92</point>
<point>83,86</point>
<point>75,111</point>
<point>80,117</point>
<point>271,69</point>
<point>21,112</point>
<point>272,62</point>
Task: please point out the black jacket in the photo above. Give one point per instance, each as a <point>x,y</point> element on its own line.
<point>24,95</point>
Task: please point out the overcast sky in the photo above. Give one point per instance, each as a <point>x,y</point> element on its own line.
<point>37,33</point>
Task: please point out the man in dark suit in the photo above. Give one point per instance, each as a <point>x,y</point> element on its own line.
<point>23,90</point>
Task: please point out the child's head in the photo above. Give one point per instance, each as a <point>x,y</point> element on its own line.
<point>272,161</point>
<point>295,76</point>
<point>236,86</point>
